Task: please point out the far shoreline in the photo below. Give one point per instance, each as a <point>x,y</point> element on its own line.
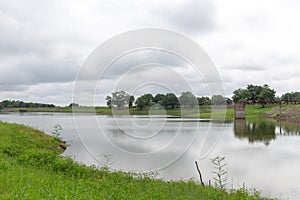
<point>289,114</point>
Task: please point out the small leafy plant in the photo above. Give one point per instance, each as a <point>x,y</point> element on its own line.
<point>56,133</point>
<point>220,172</point>
<point>107,161</point>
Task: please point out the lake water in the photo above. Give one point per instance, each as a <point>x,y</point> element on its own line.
<point>262,155</point>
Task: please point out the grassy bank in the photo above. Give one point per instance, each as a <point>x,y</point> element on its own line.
<point>253,112</point>
<point>31,168</point>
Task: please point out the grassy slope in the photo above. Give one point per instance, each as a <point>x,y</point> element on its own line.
<point>31,168</point>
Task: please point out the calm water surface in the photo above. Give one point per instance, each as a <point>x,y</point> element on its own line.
<point>261,155</point>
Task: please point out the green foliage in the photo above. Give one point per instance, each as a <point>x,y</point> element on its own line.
<point>56,133</point>
<point>220,172</point>
<point>131,100</point>
<point>159,99</point>
<point>144,101</point>
<point>22,104</point>
<point>107,161</point>
<point>266,95</point>
<point>218,100</point>
<point>255,94</point>
<point>241,95</point>
<point>170,101</point>
<point>108,101</point>
<point>120,99</point>
<point>204,101</point>
<point>291,97</point>
<point>187,99</point>
<point>261,94</point>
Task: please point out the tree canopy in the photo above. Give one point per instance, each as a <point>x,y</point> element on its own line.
<point>291,97</point>
<point>119,99</point>
<point>22,104</point>
<point>241,95</point>
<point>144,101</point>
<point>187,99</point>
<point>204,101</point>
<point>255,94</point>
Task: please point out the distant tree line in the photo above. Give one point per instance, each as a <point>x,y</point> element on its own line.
<point>255,94</point>
<point>291,97</point>
<point>22,104</point>
<point>121,99</point>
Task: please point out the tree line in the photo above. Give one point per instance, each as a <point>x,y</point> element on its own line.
<point>252,94</point>
<point>121,99</point>
<point>255,94</point>
<point>22,104</point>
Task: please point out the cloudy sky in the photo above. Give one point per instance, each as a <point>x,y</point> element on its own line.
<point>43,44</point>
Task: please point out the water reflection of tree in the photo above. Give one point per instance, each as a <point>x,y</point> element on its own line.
<point>255,131</point>
<point>289,129</point>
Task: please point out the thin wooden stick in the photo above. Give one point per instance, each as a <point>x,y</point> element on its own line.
<point>199,174</point>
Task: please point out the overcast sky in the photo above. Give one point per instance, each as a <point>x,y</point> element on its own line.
<point>44,43</point>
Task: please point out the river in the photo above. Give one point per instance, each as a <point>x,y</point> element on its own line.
<point>260,155</point>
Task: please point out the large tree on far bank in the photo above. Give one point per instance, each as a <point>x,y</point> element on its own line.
<point>187,99</point>
<point>119,99</point>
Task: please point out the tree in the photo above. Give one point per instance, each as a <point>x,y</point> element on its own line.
<point>170,101</point>
<point>149,98</point>
<point>73,105</point>
<point>159,99</point>
<point>204,101</point>
<point>267,95</point>
<point>297,96</point>
<point>108,101</point>
<point>218,100</point>
<point>22,104</point>
<point>144,101</point>
<point>228,101</point>
<point>120,99</point>
<point>187,99</point>
<point>241,95</point>
<point>254,91</point>
<point>131,100</point>
<point>141,102</point>
<point>291,97</point>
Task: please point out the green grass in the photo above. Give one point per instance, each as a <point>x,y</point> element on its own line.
<point>221,114</point>
<point>31,168</point>
<point>254,111</point>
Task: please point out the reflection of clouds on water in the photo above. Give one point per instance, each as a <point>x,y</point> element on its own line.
<point>172,137</point>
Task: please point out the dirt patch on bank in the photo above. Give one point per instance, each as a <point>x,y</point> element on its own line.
<point>288,113</point>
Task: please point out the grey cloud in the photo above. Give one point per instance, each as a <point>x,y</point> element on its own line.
<point>34,70</point>
<point>246,67</point>
<point>136,58</point>
<point>192,16</point>
<point>36,45</point>
<point>12,87</point>
<point>57,93</point>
